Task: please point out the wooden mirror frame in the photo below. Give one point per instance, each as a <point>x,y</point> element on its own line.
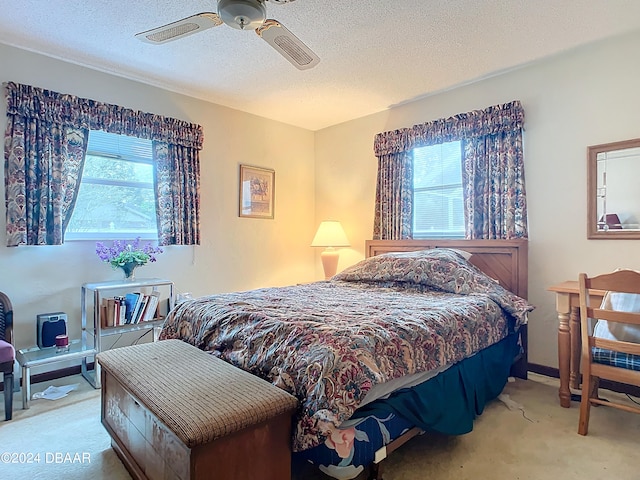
<point>592,194</point>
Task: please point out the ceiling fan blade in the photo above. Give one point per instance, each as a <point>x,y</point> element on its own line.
<point>289,46</point>
<point>181,28</point>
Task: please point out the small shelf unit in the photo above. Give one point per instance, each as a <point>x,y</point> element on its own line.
<point>92,329</point>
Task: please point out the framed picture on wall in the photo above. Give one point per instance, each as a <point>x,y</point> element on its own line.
<point>257,192</point>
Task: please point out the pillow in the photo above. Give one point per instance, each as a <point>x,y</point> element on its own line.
<point>442,269</point>
<point>462,253</point>
<point>622,302</point>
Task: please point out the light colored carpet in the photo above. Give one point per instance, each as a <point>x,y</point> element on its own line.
<point>58,439</point>
<point>505,444</point>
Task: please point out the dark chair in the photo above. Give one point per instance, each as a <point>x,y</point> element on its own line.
<point>604,358</point>
<point>7,352</point>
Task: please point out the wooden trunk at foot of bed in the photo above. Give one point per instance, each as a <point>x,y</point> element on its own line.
<point>504,260</point>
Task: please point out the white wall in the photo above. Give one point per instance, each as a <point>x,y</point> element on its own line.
<point>571,101</point>
<point>236,253</point>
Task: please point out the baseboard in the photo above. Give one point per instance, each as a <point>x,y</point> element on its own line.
<point>53,375</point>
<point>544,370</point>
<point>606,384</point>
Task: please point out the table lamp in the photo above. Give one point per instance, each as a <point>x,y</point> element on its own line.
<point>330,235</point>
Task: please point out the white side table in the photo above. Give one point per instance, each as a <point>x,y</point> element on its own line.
<point>35,357</point>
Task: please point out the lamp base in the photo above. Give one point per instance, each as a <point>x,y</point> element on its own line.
<point>329,262</point>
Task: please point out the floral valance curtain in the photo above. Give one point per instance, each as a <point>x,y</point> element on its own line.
<point>478,123</point>
<point>45,144</point>
<point>495,203</point>
<point>62,109</point>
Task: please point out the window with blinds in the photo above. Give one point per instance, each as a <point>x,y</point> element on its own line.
<point>116,199</point>
<point>438,210</point>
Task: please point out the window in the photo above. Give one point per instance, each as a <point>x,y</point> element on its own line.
<point>438,209</point>
<point>116,197</point>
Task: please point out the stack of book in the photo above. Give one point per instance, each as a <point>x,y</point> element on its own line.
<point>132,308</point>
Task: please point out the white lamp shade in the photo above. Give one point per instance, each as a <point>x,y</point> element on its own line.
<point>330,234</point>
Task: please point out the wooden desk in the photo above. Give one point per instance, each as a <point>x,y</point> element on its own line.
<point>569,341</point>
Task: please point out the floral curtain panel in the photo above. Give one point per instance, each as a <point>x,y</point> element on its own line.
<point>34,114</point>
<point>493,184</point>
<point>394,197</point>
<point>177,194</point>
<point>492,139</point>
<point>43,167</point>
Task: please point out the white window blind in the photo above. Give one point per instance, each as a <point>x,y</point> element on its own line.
<point>437,182</point>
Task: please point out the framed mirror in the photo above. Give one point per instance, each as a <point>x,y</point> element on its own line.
<point>613,197</point>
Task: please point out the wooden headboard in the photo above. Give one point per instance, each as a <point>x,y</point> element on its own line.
<point>504,260</point>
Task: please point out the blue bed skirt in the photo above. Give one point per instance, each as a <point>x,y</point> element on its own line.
<point>447,403</point>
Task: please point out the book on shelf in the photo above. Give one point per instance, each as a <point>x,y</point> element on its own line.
<point>103,313</point>
<point>143,305</point>
<point>152,306</point>
<point>132,308</point>
<point>135,314</point>
<point>116,312</point>
<point>109,309</point>
<point>130,301</point>
<point>112,312</point>
<point>121,310</point>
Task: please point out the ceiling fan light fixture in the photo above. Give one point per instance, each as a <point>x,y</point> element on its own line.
<point>242,14</point>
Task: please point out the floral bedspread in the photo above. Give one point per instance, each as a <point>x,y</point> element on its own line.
<point>328,343</point>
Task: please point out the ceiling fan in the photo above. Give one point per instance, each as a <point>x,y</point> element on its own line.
<point>242,15</point>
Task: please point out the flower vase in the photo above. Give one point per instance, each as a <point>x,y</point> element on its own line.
<point>129,270</point>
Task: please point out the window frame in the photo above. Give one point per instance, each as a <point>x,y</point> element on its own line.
<point>106,236</point>
<point>437,234</point>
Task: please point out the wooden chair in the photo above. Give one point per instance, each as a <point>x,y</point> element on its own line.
<point>7,353</point>
<point>601,358</point>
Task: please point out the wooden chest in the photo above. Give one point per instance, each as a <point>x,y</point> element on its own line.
<point>191,416</point>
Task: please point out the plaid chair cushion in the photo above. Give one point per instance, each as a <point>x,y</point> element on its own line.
<point>616,359</point>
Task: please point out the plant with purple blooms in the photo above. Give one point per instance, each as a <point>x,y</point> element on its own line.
<point>122,253</point>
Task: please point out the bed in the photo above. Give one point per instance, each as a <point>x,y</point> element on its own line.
<point>415,337</point>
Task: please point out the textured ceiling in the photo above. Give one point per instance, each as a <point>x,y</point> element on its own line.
<point>374,53</point>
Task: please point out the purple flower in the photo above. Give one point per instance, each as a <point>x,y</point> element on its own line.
<point>121,253</point>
